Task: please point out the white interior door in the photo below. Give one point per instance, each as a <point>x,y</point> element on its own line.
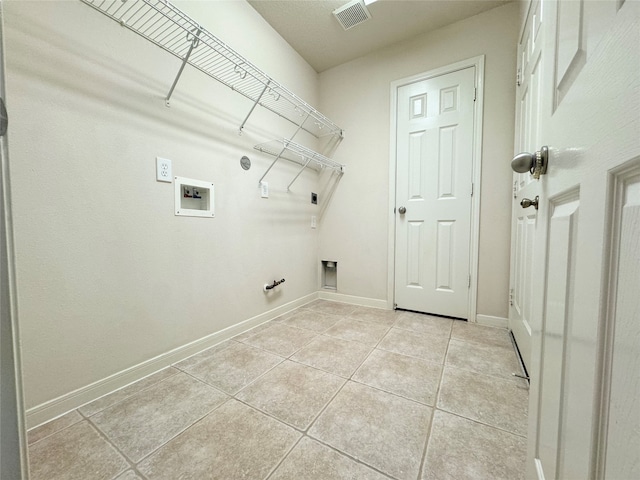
<point>434,153</point>
<point>13,445</point>
<point>525,220</point>
<point>585,314</point>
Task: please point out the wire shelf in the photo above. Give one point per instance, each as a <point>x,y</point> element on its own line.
<point>169,28</point>
<point>294,152</point>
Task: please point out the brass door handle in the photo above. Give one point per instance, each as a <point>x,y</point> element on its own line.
<point>526,203</point>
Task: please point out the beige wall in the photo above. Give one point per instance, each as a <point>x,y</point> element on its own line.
<point>356,95</point>
<point>108,277</point>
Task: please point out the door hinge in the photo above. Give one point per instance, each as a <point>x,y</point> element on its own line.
<point>475,93</point>
<point>469,284</point>
<point>511,297</point>
<point>518,81</point>
<point>472,189</point>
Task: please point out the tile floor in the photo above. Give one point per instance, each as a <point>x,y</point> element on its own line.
<point>328,391</point>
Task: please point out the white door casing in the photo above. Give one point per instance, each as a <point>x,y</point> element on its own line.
<point>434,170</point>
<point>585,312</point>
<point>525,221</point>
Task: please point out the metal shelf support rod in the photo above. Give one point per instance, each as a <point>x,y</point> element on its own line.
<point>194,44</point>
<point>254,105</point>
<point>301,170</point>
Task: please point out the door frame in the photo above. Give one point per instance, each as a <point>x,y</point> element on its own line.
<point>478,63</point>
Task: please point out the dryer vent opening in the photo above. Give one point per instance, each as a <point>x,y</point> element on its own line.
<point>352,14</point>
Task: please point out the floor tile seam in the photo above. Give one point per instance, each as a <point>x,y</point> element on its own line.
<point>481,423</point>
<point>232,394</point>
<point>360,382</point>
<point>324,408</point>
<point>82,417</point>
<point>425,449</point>
<point>430,334</point>
<point>284,457</point>
<point>217,389</point>
<point>298,429</point>
<point>413,357</point>
<point>131,464</point>
<point>316,368</point>
<point>179,433</point>
<point>366,357</point>
<point>478,343</point>
<point>78,409</point>
<point>176,365</point>
<point>279,354</point>
<point>349,456</point>
<point>510,380</point>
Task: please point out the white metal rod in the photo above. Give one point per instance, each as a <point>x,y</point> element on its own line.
<point>271,166</point>
<point>194,42</point>
<point>296,177</point>
<point>253,107</point>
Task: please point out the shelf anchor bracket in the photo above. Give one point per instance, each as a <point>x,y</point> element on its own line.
<point>253,107</point>
<point>194,43</point>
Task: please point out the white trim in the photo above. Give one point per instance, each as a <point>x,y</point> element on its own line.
<point>478,63</point>
<point>58,406</point>
<point>490,321</point>
<point>353,300</point>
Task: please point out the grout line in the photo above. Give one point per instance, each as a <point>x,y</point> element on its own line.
<point>423,461</point>
<point>114,446</point>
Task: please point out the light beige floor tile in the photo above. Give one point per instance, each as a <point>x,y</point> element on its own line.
<point>126,392</point>
<point>375,315</point>
<point>293,393</point>
<point>145,421</point>
<point>380,429</point>
<point>314,461</point>
<point>129,475</point>
<point>202,356</point>
<point>335,308</point>
<point>462,449</point>
<point>233,442</point>
<point>333,355</point>
<point>409,377</point>
<point>483,358</point>
<point>425,324</point>
<point>250,333</point>
<point>75,453</point>
<point>281,339</point>
<point>311,320</point>
<point>404,342</point>
<point>358,331</point>
<point>234,367</point>
<point>53,426</point>
<point>496,402</point>
<point>472,332</point>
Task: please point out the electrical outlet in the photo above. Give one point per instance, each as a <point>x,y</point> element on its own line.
<point>264,189</point>
<point>313,221</point>
<point>163,170</point>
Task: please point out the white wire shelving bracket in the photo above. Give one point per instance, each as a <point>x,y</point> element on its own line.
<point>169,28</point>
<point>294,152</point>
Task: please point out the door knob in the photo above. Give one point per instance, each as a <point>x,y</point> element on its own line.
<point>526,203</point>
<point>402,210</point>
<point>536,163</point>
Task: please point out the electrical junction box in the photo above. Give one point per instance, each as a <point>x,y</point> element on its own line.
<point>194,198</point>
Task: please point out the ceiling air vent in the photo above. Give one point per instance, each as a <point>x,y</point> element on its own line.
<point>352,14</point>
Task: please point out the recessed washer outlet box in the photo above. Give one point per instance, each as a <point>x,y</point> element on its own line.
<point>352,14</point>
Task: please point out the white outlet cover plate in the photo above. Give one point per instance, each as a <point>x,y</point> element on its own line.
<point>163,170</point>
<point>264,189</point>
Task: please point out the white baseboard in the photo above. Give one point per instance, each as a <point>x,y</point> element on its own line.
<point>65,403</point>
<point>490,321</point>
<point>353,300</point>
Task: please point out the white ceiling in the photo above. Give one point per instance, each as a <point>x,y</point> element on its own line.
<point>312,30</point>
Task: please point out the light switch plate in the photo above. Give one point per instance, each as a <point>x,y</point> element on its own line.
<point>163,170</point>
<point>264,189</point>
<point>313,221</point>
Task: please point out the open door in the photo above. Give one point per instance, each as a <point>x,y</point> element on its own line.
<point>13,446</point>
<point>585,265</point>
